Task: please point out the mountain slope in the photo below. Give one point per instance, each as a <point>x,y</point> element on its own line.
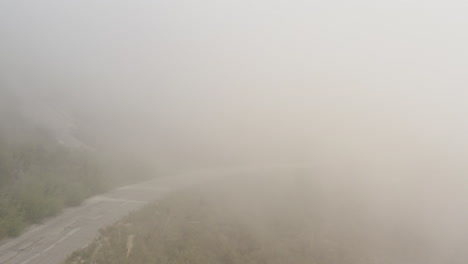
<point>43,167</point>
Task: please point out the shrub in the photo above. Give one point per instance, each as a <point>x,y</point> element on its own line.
<point>11,218</point>
<point>38,177</point>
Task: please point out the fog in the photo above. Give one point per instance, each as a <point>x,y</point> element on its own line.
<point>368,94</point>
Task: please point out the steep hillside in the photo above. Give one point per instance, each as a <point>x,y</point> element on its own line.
<point>43,168</point>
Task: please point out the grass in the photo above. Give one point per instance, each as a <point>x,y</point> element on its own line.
<point>270,220</point>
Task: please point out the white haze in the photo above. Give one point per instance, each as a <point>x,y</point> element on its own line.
<point>374,93</point>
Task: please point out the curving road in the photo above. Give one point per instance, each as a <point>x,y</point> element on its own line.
<point>55,239</point>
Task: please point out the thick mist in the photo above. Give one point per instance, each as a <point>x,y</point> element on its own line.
<point>367,94</point>
<point>274,80</point>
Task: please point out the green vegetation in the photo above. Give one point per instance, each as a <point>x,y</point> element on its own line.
<point>238,223</point>
<point>39,177</point>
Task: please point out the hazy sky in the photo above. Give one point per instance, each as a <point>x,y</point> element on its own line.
<point>292,76</point>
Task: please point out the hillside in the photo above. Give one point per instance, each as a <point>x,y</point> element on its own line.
<point>230,222</point>
<point>43,168</point>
